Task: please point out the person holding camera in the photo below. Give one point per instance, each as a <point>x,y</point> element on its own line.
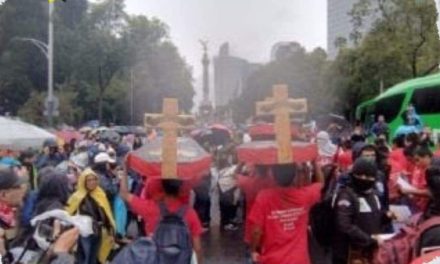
<point>12,192</point>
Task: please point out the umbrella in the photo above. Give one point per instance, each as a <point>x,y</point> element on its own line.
<point>138,130</point>
<point>92,124</point>
<point>85,129</point>
<point>266,152</point>
<point>193,161</point>
<point>428,258</point>
<point>220,135</point>
<point>340,126</point>
<point>18,135</point>
<point>110,136</point>
<point>220,127</point>
<point>125,130</point>
<point>68,135</point>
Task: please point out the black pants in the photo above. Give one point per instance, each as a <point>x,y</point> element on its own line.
<point>228,210</point>
<point>202,203</point>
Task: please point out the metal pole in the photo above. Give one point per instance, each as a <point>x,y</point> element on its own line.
<point>50,64</point>
<point>437,5</point>
<point>132,97</point>
<point>381,86</point>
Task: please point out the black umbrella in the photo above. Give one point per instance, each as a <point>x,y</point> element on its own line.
<point>336,125</point>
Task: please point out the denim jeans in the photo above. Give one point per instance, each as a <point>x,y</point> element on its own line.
<point>88,249</point>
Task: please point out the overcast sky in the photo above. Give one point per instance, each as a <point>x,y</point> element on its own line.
<point>250,26</point>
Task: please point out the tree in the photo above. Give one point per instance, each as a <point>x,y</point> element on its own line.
<point>402,44</point>
<point>157,68</point>
<point>68,112</point>
<point>405,29</point>
<point>22,66</point>
<point>98,48</point>
<point>302,71</point>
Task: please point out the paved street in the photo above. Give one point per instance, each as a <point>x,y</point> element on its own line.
<point>224,247</point>
<point>227,247</point>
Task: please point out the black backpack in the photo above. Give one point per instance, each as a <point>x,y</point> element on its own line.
<point>172,237</point>
<point>143,250</point>
<point>322,214</point>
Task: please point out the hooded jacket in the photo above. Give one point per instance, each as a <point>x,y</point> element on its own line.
<point>99,196</point>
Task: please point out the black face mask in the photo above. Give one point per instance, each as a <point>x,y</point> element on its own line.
<point>362,185</point>
<point>101,167</point>
<point>113,166</point>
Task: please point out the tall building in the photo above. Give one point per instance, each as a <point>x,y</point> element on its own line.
<point>230,76</point>
<point>340,26</point>
<point>284,49</point>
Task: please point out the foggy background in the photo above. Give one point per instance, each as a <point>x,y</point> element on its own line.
<point>250,26</point>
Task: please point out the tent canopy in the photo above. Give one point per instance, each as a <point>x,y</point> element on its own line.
<point>18,135</point>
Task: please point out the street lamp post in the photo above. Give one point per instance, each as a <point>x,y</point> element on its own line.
<point>51,101</point>
<point>47,50</point>
<point>437,4</point>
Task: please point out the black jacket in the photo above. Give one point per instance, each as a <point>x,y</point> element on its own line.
<point>357,217</point>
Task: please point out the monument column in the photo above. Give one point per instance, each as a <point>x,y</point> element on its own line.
<point>205,106</point>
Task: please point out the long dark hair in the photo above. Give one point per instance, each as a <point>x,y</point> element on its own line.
<point>53,192</point>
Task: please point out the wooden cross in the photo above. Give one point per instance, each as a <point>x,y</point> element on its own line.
<point>170,122</point>
<point>281,106</point>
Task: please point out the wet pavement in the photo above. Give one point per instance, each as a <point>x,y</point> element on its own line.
<point>228,247</point>
<point>223,247</point>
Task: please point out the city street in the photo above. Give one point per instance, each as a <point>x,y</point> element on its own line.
<point>224,247</point>
<point>160,132</point>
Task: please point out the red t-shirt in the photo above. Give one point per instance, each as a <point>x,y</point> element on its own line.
<point>418,180</point>
<point>397,169</point>
<point>150,212</point>
<point>325,160</point>
<point>345,160</point>
<point>398,160</point>
<point>283,215</point>
<point>251,186</point>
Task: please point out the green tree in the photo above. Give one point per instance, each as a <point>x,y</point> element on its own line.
<point>157,68</point>
<point>68,113</point>
<point>100,51</point>
<point>302,71</point>
<point>402,44</point>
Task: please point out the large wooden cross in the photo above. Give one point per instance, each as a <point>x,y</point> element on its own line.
<point>170,122</point>
<point>281,106</point>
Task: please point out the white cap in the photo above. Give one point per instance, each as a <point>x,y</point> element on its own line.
<point>101,147</point>
<point>111,152</point>
<point>103,158</point>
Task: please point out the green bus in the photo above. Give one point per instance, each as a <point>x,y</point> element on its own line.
<point>423,93</point>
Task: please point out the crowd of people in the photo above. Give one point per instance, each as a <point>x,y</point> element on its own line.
<point>338,207</point>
